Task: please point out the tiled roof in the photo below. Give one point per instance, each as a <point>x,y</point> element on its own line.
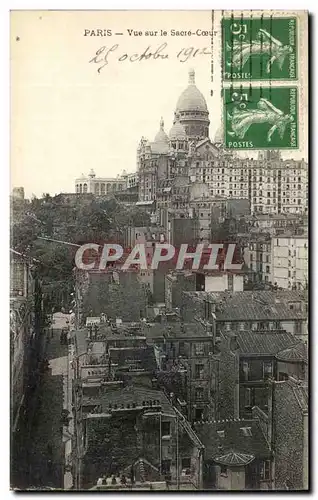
<point>250,342</point>
<point>291,390</point>
<point>175,330</point>
<point>254,305</point>
<point>144,356</point>
<point>295,353</point>
<point>301,393</point>
<point>233,439</point>
<point>132,395</point>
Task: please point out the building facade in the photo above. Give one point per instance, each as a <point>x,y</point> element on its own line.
<point>99,186</point>
<point>269,184</point>
<point>290,261</point>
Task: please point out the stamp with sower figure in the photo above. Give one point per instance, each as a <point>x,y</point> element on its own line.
<point>262,48</point>
<point>261,117</point>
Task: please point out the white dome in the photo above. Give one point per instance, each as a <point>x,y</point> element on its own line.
<point>161,136</point>
<point>191,98</point>
<point>177,131</point>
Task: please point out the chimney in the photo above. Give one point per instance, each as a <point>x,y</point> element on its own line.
<point>233,343</point>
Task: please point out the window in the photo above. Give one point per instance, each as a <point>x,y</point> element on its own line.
<point>297,326</point>
<point>198,414</point>
<point>265,468</point>
<point>223,471</point>
<point>199,349</point>
<point>267,269</point>
<point>199,393</point>
<point>199,371</point>
<point>246,369</point>
<point>182,349</point>
<point>267,369</point>
<point>165,428</point>
<point>165,466</point>
<point>248,397</point>
<point>221,434</point>
<point>185,463</point>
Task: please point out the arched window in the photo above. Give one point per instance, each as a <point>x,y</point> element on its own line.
<point>108,187</point>
<point>114,187</point>
<point>102,188</point>
<point>81,188</point>
<point>85,188</point>
<point>96,188</point>
<point>77,188</point>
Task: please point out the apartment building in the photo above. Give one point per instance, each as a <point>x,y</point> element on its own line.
<point>258,256</point>
<point>271,184</point>
<point>289,257</point>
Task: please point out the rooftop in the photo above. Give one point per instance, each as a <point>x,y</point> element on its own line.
<point>255,305</point>
<point>143,358</point>
<point>297,352</point>
<point>129,398</point>
<point>175,330</point>
<point>291,234</point>
<point>233,441</point>
<point>250,342</point>
<point>291,390</point>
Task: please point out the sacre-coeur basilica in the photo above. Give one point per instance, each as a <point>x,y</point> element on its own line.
<point>185,167</point>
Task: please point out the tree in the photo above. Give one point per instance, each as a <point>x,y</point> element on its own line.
<point>77,221</point>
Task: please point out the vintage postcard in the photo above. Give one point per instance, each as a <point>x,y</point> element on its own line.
<point>159,250</point>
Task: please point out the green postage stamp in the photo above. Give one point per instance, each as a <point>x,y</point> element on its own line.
<point>261,117</point>
<point>262,48</point>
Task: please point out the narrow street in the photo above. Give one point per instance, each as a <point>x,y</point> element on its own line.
<point>46,451</point>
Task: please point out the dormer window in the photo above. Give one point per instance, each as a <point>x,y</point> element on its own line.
<point>246,431</point>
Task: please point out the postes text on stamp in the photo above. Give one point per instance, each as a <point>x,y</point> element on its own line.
<point>262,48</point>
<point>261,117</point>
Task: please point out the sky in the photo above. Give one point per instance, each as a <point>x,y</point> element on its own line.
<point>66,117</point>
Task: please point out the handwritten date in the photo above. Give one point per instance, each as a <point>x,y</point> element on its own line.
<point>103,55</point>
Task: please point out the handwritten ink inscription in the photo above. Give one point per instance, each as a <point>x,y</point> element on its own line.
<point>103,55</point>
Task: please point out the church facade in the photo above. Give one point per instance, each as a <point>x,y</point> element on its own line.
<point>164,165</point>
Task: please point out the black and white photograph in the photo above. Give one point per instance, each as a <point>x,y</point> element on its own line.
<point>159,280</point>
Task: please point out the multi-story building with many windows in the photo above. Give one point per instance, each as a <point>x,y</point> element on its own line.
<point>99,185</point>
<point>271,184</point>
<point>257,256</point>
<point>290,261</point>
